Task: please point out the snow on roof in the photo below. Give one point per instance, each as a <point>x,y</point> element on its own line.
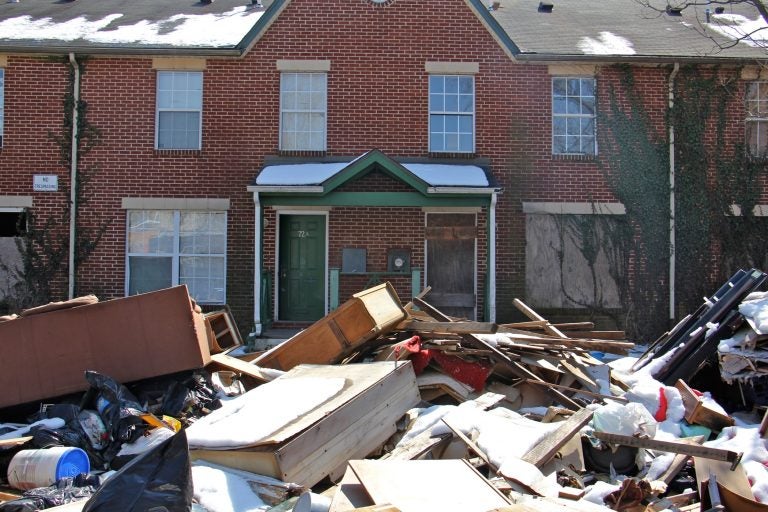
<point>435,175</point>
<point>606,43</point>
<point>448,175</point>
<point>225,29</point>
<point>738,27</point>
<point>298,174</point>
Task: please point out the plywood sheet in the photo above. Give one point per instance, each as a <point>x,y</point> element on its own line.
<point>418,485</point>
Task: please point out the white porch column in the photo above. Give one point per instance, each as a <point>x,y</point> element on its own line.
<point>257,327</point>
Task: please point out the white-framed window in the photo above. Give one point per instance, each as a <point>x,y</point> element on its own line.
<point>451,113</point>
<point>173,247</point>
<point>573,116</point>
<point>2,104</point>
<point>757,118</point>
<point>303,111</point>
<point>179,109</point>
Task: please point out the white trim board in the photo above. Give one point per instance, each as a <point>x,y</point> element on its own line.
<point>174,203</point>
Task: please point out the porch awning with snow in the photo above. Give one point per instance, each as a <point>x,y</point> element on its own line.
<point>319,183</point>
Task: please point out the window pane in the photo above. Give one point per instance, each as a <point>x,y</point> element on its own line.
<point>573,126</point>
<point>150,232</point>
<point>588,145</point>
<point>451,95</point>
<point>436,84</point>
<point>303,106</point>
<point>558,144</point>
<point>149,273</point>
<point>436,102</point>
<point>587,87</point>
<point>558,87</point>
<point>179,130</point>
<point>559,125</point>
<point>437,142</point>
<point>558,105</point>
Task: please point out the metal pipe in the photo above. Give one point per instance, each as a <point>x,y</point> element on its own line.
<point>672,76</point>
<point>73,176</point>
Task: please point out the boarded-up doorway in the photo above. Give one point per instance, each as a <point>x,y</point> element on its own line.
<point>452,263</point>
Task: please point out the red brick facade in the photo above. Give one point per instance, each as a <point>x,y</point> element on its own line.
<point>377,99</point>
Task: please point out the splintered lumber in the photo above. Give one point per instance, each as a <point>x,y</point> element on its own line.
<point>470,444</point>
<point>418,446</point>
<point>498,356</point>
<point>403,484</point>
<point>544,451</point>
<point>552,342</point>
<point>530,313</point>
<point>461,327</point>
<point>579,391</point>
<point>704,452</point>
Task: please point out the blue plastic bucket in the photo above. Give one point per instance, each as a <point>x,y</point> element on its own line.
<point>40,468</point>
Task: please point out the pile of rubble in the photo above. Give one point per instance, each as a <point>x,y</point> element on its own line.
<point>376,407</point>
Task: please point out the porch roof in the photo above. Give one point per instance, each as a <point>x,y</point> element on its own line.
<point>323,177</point>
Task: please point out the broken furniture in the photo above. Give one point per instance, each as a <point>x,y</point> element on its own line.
<point>132,338</point>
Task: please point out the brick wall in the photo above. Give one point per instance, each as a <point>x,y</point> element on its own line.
<point>377,98</point>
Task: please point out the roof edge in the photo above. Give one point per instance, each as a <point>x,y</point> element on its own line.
<point>262,25</point>
<point>495,29</point>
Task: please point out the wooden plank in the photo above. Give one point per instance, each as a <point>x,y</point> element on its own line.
<point>499,356</point>
<point>544,451</point>
<point>418,446</point>
<point>239,366</point>
<point>403,484</point>
<point>620,399</point>
<point>471,445</point>
<point>530,313</point>
<point>15,441</point>
<point>673,447</point>
<point>449,327</point>
<point>680,460</point>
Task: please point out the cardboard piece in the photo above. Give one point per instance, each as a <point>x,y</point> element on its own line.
<point>410,485</point>
<point>352,424</point>
<point>128,339</point>
<point>366,315</point>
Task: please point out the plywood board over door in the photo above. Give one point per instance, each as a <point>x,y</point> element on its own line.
<point>451,262</point>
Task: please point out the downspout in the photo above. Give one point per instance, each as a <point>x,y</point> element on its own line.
<point>257,327</point>
<point>73,176</point>
<point>492,258</point>
<point>672,76</point>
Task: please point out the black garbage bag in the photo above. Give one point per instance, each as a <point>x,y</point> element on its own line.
<point>118,408</point>
<point>160,479</point>
<point>190,398</point>
<point>64,491</point>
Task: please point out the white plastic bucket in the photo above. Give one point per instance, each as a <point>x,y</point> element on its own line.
<point>40,468</point>
<point>311,502</point>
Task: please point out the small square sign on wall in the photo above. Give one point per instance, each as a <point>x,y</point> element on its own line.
<point>45,183</point>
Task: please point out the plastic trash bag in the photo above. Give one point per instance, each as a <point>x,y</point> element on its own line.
<point>118,408</point>
<point>624,419</point>
<point>160,479</point>
<point>64,491</point>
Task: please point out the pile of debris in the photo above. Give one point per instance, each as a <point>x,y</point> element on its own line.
<point>377,406</point>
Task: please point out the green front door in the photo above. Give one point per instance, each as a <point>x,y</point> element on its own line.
<point>302,267</point>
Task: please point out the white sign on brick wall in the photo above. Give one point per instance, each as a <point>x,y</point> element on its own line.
<point>45,183</point>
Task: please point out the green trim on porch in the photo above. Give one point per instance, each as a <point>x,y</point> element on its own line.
<point>375,159</point>
<point>373,199</point>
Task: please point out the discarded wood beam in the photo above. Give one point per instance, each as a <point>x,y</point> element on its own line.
<point>544,451</point>
<point>471,445</point>
<point>419,446</point>
<point>581,391</point>
<point>449,327</point>
<point>673,447</point>
<point>530,313</point>
<point>498,355</point>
